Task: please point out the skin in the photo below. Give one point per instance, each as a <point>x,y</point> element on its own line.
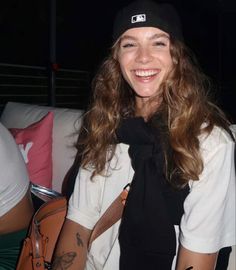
<point>12,221</point>
<point>71,250</point>
<point>145,61</point>
<point>198,261</point>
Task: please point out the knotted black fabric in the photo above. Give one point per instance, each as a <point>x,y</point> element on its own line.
<point>147,236</point>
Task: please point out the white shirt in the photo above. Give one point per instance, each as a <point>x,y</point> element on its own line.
<point>208,223</point>
<point>14,181</point>
<point>89,201</point>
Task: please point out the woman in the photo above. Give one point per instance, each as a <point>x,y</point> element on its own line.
<point>151,123</point>
<point>16,208</point>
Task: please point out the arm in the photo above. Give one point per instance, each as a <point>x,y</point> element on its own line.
<point>71,250</point>
<point>199,261</point>
<point>12,221</point>
<point>82,215</point>
<point>208,223</point>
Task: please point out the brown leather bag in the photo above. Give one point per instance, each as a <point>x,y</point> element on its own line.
<point>38,247</point>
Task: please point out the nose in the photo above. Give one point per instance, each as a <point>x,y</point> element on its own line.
<point>143,56</point>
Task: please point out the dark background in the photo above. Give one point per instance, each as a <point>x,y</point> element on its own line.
<point>84,36</point>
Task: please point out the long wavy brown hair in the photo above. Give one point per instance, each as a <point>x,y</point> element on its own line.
<point>185,107</point>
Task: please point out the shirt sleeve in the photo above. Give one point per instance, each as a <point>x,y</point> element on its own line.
<point>208,223</point>
<point>85,202</point>
<point>14,180</point>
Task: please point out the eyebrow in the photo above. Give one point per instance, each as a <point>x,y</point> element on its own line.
<point>151,38</point>
<point>159,35</point>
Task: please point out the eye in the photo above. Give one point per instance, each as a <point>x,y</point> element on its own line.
<point>128,45</point>
<point>160,43</point>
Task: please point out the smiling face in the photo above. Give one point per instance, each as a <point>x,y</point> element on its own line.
<point>145,60</point>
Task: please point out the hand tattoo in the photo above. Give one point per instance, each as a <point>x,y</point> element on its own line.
<point>79,240</point>
<point>63,262</point>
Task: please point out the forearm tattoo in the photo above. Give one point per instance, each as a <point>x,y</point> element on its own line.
<point>63,262</point>
<point>79,240</point>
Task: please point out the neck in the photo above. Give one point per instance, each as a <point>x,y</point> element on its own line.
<point>146,107</point>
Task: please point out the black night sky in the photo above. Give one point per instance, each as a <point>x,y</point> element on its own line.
<point>84,35</point>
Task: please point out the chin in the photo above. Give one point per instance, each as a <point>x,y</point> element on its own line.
<point>145,94</point>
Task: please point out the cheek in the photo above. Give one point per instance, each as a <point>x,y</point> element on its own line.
<point>168,61</point>
<point>164,58</point>
<point>123,66</point>
<point>125,75</point>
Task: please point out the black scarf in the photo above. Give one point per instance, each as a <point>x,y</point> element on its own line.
<point>147,236</point>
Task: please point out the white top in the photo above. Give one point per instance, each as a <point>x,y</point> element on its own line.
<point>208,223</point>
<point>14,179</point>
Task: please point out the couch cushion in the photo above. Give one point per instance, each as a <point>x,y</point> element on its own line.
<point>65,127</point>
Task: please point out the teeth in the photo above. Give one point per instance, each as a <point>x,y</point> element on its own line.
<point>145,73</point>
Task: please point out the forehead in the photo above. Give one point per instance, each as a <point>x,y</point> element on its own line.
<point>146,32</point>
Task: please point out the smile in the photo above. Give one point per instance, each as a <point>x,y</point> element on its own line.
<point>146,73</point>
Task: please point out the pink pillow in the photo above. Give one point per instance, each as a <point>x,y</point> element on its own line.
<point>35,143</point>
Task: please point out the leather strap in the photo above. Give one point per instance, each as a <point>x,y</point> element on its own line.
<point>110,216</point>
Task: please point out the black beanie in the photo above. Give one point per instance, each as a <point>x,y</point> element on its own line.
<point>146,13</point>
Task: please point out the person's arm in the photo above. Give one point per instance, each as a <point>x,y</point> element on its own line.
<point>196,261</point>
<point>71,250</point>
<point>205,226</point>
<point>12,221</point>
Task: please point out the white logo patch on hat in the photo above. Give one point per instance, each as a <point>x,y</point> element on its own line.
<point>138,18</point>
